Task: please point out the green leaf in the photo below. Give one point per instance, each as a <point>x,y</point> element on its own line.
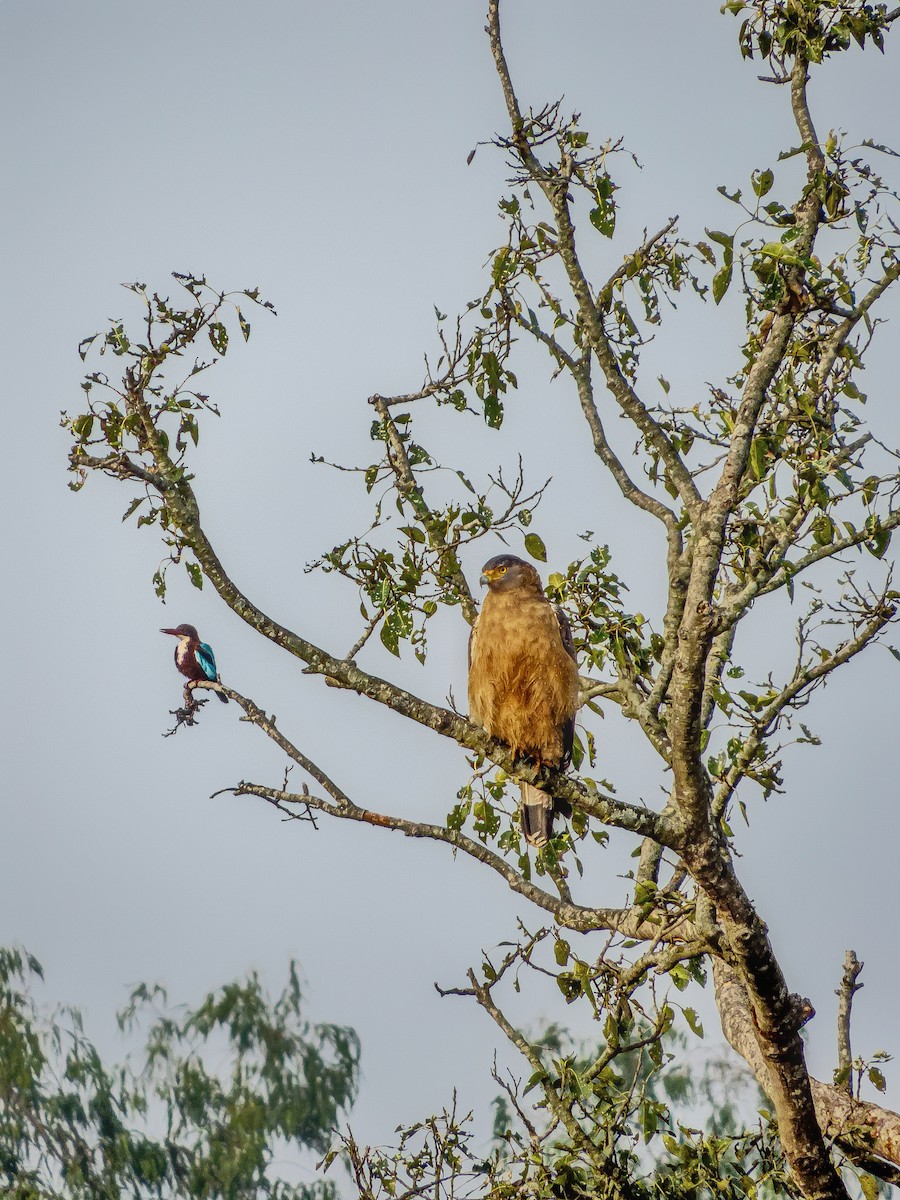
<point>577,753</point>
<point>493,410</point>
<point>850,389</point>
<point>694,1021</point>
<point>561,950</point>
<point>880,537</point>
<point>823,530</point>
<point>414,533</point>
<point>218,335</point>
<point>569,986</point>
<point>721,282</point>
<point>535,547</point>
<point>762,182</point>
<point>679,976</point>
<point>82,426</point>
<point>877,146</point>
<point>195,574</point>
<point>389,640</point>
<point>842,1076</point>
<point>758,453</point>
<point>603,219</point>
<point>244,324</point>
<point>876,1078</point>
<point>536,1078</point>
<point>499,267</point>
<point>781,253</point>
<point>136,503</point>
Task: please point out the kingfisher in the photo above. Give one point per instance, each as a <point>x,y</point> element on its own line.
<point>193,658</point>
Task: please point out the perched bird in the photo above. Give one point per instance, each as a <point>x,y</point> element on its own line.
<point>193,658</point>
<point>523,679</point>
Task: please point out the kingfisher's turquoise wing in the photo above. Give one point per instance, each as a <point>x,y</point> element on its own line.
<point>207,661</point>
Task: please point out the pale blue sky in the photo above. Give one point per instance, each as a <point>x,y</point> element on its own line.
<point>319,151</point>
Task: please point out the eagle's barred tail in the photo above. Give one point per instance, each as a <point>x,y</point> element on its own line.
<point>537,815</point>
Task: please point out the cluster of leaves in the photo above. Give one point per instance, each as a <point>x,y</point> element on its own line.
<point>605,632</point>
<point>611,983</point>
<point>487,369</point>
<point>75,1129</point>
<point>809,440</point>
<point>525,276</point>
<point>489,806</point>
<point>805,459</point>
<point>155,406</point>
<point>633,1148</point>
<point>780,29</point>
<point>860,1069</point>
<point>414,565</point>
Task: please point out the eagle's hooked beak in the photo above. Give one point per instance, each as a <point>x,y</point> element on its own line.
<point>490,575</point>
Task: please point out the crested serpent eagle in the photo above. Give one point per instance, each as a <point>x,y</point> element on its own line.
<point>523,679</point>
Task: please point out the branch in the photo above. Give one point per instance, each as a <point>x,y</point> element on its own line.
<point>371,625</point>
<point>560,1111</point>
<point>699,620</point>
<point>184,513</point>
<point>630,922</point>
<point>621,272</point>
<point>849,987</point>
<point>777,1015</point>
<point>555,184</point>
<point>567,914</point>
<point>762,372</point>
<point>860,1128</point>
<point>804,679</point>
<point>410,490</point>
<point>843,330</point>
<point>678,560</point>
<point>778,571</point>
<point>580,370</point>
<point>456,372</point>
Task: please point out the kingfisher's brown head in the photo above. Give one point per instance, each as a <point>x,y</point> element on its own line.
<point>183,631</point>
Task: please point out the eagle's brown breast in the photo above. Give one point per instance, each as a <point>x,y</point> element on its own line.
<point>523,682</point>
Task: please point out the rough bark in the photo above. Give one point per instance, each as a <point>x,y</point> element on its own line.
<point>856,1125</point>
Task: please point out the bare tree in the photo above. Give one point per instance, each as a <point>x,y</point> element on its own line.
<point>772,476</point>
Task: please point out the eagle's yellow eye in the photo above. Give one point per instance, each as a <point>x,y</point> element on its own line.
<point>501,570</point>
